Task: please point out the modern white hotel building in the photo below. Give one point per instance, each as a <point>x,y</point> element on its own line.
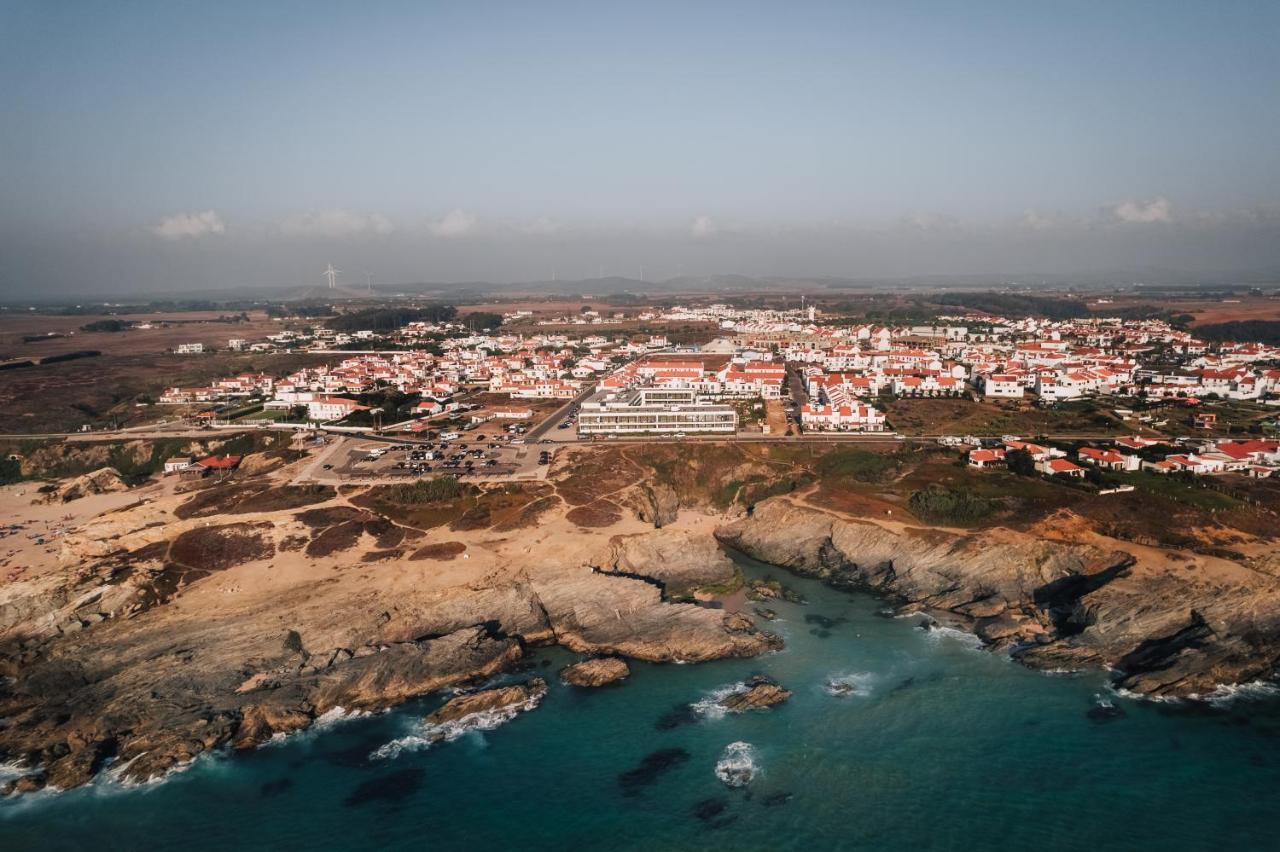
<point>653,410</point>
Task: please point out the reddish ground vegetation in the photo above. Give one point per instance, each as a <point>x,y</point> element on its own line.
<point>600,513</point>
<point>440,551</point>
<point>219,548</point>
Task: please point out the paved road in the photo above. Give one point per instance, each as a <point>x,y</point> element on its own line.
<point>536,433</point>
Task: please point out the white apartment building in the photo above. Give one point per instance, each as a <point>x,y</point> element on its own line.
<point>1001,385</point>
<point>653,410</point>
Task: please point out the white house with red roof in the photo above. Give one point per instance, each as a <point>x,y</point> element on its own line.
<point>324,408</point>
<point>987,458</point>
<point>1110,459</point>
<point>1060,467</point>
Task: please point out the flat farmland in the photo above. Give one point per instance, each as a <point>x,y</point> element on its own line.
<point>64,396</point>
<point>1205,311</point>
<point>169,330</point>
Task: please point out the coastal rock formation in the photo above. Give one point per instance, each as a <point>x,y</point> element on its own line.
<point>760,692</point>
<point>678,560</point>
<point>598,672</point>
<point>656,503</point>
<point>105,480</point>
<point>166,638</point>
<point>513,699</point>
<point>1166,626</point>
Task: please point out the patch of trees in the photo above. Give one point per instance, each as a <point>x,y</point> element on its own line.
<point>305,309</point>
<point>1262,331</point>
<point>426,491</point>
<point>110,325</point>
<point>938,505</point>
<point>1020,462</point>
<point>390,319</point>
<point>10,471</point>
<point>857,464</point>
<point>70,356</point>
<point>485,321</point>
<point>50,359</point>
<point>623,299</point>
<point>1017,305</point>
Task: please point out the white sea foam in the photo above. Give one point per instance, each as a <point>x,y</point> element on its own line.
<point>426,734</point>
<point>711,706</point>
<point>737,767</point>
<point>857,684</point>
<point>321,723</point>
<point>1139,696</point>
<point>14,769</point>
<point>937,633</point>
<point>1227,694</point>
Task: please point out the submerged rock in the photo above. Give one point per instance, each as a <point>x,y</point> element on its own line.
<point>654,765</point>
<point>737,766</point>
<point>22,784</point>
<point>1105,711</point>
<point>770,589</point>
<point>590,673</point>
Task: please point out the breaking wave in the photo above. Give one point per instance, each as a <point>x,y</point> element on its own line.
<point>426,734</point>
<point>1226,695</point>
<point>737,766</point>
<point>711,706</point>
<point>937,633</point>
<point>857,684</point>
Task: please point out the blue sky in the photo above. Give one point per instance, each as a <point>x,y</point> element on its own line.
<point>182,144</point>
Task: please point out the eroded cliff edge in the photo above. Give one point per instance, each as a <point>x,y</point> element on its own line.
<point>168,637</point>
<point>1166,624</point>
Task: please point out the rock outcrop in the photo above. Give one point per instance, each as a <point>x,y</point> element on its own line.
<point>597,672</point>
<point>1165,627</point>
<point>759,692</point>
<point>105,480</point>
<point>679,561</point>
<point>656,503</point>
<point>141,657</point>
<point>503,700</point>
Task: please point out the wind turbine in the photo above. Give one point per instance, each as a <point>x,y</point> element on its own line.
<point>332,275</point>
<point>368,280</point>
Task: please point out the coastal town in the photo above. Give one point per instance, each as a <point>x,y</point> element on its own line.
<point>1159,400</point>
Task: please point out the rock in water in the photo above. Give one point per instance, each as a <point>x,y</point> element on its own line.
<point>737,766</point>
<point>595,672</point>
<point>1104,711</point>
<point>761,692</point>
<point>483,710</point>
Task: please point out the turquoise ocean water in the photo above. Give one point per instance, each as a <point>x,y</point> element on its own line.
<point>934,745</point>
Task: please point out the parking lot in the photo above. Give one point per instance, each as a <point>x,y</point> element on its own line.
<point>483,452</point>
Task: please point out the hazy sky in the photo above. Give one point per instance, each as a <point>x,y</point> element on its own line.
<point>176,145</point>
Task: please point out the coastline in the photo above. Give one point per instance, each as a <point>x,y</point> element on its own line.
<point>282,631</point>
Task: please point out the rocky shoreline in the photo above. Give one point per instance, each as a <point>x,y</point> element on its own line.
<point>1165,628</point>
<point>142,660</point>
<point>114,668</point>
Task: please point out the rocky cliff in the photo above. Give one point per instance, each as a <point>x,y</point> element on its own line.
<point>167,638</point>
<point>1166,624</point>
